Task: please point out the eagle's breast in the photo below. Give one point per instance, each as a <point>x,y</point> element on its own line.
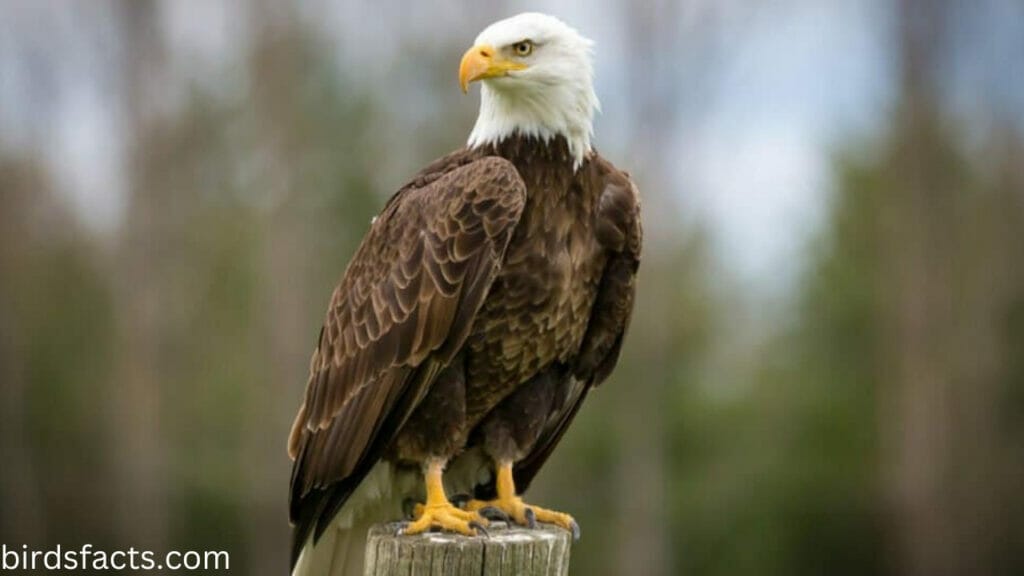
<point>537,310</point>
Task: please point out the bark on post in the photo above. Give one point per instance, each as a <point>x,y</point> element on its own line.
<point>507,551</point>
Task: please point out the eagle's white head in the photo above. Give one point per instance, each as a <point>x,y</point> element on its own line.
<point>536,80</point>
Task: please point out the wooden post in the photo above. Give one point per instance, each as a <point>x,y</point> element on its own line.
<point>507,551</point>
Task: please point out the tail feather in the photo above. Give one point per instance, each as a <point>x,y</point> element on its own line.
<point>338,552</point>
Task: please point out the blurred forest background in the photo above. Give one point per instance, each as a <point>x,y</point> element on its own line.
<point>825,373</point>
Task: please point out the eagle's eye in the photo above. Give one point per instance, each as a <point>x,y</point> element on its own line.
<point>524,48</point>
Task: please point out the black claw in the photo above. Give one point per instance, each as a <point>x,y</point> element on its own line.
<point>531,518</point>
<point>479,528</point>
<point>494,513</point>
<point>575,529</point>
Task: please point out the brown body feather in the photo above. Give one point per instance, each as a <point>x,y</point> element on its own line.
<point>497,284</point>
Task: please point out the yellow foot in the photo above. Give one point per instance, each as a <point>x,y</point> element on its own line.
<point>525,514</point>
<point>446,517</point>
<point>438,512</point>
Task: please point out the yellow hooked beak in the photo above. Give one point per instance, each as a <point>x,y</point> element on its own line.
<point>483,61</point>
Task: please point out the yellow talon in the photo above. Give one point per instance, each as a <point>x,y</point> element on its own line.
<point>520,512</point>
<point>446,517</point>
<point>438,512</point>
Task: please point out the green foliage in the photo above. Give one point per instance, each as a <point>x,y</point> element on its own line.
<point>55,321</point>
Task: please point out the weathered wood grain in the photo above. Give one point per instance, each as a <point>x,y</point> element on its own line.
<point>507,551</point>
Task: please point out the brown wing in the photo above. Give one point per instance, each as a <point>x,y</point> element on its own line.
<point>618,230</point>
<point>403,309</point>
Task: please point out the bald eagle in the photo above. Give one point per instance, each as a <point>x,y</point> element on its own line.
<point>488,297</point>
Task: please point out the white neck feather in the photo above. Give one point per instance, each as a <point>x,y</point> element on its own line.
<point>543,112</point>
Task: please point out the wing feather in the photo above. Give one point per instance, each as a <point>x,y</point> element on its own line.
<point>402,310</point>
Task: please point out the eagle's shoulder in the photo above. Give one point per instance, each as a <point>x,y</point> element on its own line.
<point>452,161</point>
<point>464,170</point>
<point>618,210</point>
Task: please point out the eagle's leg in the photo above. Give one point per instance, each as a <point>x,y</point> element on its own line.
<point>438,511</point>
<point>513,506</point>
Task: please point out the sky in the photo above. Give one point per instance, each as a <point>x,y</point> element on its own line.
<point>794,88</point>
<point>791,79</point>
